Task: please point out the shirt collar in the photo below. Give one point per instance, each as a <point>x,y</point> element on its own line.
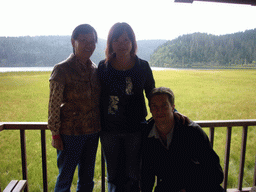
<point>154,133</point>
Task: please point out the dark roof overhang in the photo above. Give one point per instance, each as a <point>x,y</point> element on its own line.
<point>245,2</point>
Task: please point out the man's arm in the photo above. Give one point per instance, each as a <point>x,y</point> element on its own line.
<point>211,171</point>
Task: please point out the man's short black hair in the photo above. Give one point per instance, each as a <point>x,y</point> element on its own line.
<point>161,91</point>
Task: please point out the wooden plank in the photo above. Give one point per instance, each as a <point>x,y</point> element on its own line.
<point>20,186</point>
<point>227,123</point>
<point>11,185</point>
<point>1,127</point>
<point>25,125</point>
<point>212,123</point>
<point>243,190</point>
<point>253,189</point>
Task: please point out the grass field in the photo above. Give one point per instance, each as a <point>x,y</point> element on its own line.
<point>200,94</point>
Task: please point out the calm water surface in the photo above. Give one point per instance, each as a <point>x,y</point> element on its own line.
<point>24,69</point>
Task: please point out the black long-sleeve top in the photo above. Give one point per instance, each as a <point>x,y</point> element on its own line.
<point>122,97</point>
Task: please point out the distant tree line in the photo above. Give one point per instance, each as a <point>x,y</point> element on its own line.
<point>42,51</point>
<point>205,50</point>
<point>37,51</point>
<point>188,51</point>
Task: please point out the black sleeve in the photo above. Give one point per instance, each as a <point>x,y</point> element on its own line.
<point>150,82</point>
<point>209,172</point>
<point>100,71</point>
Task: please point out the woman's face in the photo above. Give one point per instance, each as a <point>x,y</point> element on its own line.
<point>122,46</point>
<point>84,46</point>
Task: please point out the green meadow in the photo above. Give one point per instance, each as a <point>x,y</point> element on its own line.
<point>200,95</point>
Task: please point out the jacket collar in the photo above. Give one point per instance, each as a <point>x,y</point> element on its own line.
<point>78,67</point>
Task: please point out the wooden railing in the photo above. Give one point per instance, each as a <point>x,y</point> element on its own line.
<point>244,124</point>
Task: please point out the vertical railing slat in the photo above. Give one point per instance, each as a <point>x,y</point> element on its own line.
<point>211,125</point>
<point>102,171</point>
<point>211,135</point>
<point>44,161</point>
<point>227,155</point>
<point>254,177</point>
<point>24,157</point>
<point>242,157</point>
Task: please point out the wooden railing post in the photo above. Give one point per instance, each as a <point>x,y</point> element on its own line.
<point>102,171</point>
<point>44,161</point>
<point>227,155</point>
<point>242,158</point>
<point>211,135</point>
<point>24,157</point>
<point>210,124</point>
<point>254,177</point>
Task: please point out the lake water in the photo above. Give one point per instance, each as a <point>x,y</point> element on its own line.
<point>24,69</point>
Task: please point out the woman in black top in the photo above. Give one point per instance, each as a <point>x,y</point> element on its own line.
<point>123,77</point>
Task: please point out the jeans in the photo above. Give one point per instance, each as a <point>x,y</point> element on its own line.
<point>78,151</point>
<point>122,155</point>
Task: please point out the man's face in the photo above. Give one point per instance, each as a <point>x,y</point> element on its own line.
<point>84,45</point>
<point>161,108</point>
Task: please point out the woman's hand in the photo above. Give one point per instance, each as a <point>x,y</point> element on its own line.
<point>57,143</point>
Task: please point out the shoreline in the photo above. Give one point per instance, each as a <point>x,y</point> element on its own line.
<point>46,69</point>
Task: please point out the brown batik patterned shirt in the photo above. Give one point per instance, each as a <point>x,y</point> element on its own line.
<point>74,98</point>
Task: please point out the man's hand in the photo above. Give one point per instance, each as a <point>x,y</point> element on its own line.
<point>57,143</point>
<point>184,119</point>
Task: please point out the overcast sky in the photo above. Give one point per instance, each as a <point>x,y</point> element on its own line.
<point>150,19</point>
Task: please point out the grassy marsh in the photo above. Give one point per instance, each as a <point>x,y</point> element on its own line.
<point>200,94</point>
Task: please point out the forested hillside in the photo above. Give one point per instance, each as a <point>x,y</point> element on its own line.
<point>187,51</point>
<point>147,47</point>
<point>38,51</point>
<point>204,50</point>
<point>42,51</point>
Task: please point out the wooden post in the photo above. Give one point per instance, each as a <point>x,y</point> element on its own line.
<point>24,157</point>
<point>227,154</point>
<point>211,135</point>
<point>44,161</point>
<point>102,171</point>
<point>242,158</point>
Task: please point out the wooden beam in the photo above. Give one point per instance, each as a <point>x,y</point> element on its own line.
<point>245,2</point>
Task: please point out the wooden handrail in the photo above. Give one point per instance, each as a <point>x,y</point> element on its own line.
<point>22,126</point>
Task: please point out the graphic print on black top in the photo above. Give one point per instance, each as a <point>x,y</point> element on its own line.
<point>113,104</point>
<point>129,86</point>
<point>114,100</point>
